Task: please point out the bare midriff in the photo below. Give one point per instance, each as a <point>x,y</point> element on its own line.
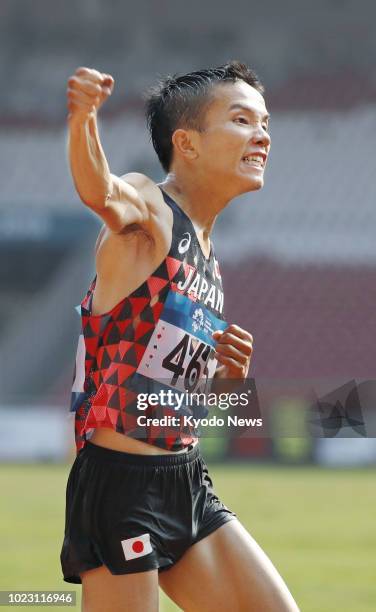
<point>117,441</point>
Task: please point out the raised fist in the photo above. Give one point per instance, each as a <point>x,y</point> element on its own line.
<point>87,90</point>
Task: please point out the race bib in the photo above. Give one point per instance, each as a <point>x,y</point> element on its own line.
<point>180,352</point>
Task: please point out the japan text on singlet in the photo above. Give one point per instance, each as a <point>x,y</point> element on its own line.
<point>158,337</point>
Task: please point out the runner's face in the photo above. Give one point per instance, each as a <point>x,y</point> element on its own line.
<point>234,145</point>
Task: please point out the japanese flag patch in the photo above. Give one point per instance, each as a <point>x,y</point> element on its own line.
<point>137,547</point>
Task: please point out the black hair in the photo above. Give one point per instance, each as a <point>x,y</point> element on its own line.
<point>180,101</point>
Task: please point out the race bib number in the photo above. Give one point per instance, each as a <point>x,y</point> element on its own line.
<point>181,350</point>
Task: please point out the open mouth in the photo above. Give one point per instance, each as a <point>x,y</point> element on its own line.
<point>254,160</point>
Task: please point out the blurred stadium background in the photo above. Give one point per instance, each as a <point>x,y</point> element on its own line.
<point>298,261</point>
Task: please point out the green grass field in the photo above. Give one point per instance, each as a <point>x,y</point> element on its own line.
<point>317,526</point>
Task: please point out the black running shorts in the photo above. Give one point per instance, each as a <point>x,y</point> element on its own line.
<point>135,513</point>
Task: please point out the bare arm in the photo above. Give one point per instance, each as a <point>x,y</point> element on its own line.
<point>89,167</point>
<point>117,201</point>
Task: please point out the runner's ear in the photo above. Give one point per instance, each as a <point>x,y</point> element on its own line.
<point>184,145</point>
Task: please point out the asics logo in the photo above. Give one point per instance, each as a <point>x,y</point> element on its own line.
<point>184,243</point>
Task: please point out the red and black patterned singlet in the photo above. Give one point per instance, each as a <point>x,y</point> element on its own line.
<point>160,332</point>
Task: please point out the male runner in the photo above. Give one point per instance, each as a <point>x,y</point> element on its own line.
<point>141,509</point>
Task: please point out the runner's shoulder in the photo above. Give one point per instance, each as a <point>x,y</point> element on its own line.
<point>148,190</point>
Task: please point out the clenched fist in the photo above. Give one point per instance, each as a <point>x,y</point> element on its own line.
<point>87,90</point>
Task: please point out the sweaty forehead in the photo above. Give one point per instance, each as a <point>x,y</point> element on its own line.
<point>226,95</point>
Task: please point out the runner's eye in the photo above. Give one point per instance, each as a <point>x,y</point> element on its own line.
<point>241,119</point>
